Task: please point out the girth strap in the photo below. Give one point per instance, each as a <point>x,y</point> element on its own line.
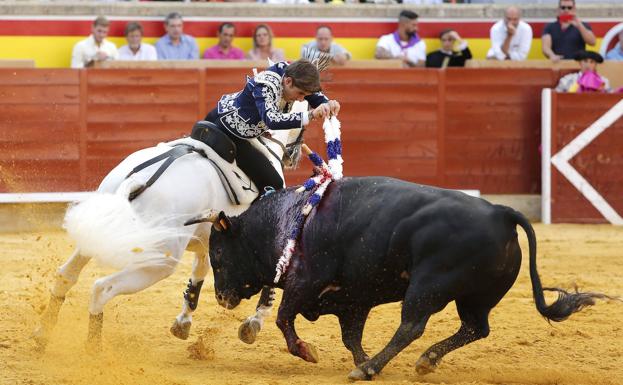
<point>170,156</point>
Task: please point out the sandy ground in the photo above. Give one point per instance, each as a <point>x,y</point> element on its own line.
<point>138,349</point>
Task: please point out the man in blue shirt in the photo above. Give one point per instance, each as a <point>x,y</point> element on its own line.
<point>175,45</point>
<point>564,38</point>
<point>616,53</point>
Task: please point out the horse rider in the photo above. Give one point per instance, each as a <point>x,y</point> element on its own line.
<point>265,104</point>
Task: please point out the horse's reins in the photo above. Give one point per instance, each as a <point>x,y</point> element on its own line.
<point>284,147</point>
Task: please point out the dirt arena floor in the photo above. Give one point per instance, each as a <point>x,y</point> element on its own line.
<point>138,349</point>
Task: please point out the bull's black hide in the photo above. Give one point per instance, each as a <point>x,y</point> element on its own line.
<point>376,240</point>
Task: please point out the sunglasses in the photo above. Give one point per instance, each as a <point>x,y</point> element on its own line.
<point>566,7</point>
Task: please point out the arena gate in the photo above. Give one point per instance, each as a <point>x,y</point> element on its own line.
<point>582,138</point>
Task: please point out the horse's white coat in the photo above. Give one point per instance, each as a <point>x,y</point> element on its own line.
<point>145,238</point>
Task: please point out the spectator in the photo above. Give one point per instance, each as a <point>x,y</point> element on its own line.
<point>263,45</point>
<point>616,53</point>
<point>511,37</point>
<point>224,50</point>
<point>95,47</point>
<point>587,80</point>
<point>567,35</point>
<point>447,56</point>
<point>324,43</point>
<point>176,45</point>
<point>136,49</point>
<point>404,43</point>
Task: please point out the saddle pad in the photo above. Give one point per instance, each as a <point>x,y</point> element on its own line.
<point>240,189</point>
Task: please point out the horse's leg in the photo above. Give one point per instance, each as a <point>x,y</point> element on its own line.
<point>66,278</point>
<point>247,332</point>
<point>182,323</point>
<point>132,279</point>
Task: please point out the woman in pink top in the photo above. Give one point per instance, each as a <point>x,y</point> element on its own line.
<point>263,45</point>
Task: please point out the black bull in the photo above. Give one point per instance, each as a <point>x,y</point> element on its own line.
<point>376,240</point>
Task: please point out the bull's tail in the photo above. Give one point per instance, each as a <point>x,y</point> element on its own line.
<point>107,228</point>
<point>566,303</point>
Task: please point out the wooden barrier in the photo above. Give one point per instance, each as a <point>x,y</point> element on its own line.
<point>582,158</point>
<point>17,63</point>
<point>62,130</point>
<point>612,70</point>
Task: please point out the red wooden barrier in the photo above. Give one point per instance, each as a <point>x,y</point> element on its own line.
<point>597,160</point>
<point>62,130</point>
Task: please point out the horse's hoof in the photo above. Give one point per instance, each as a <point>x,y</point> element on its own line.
<point>181,330</point>
<point>41,338</point>
<point>247,332</point>
<point>308,352</point>
<point>424,365</point>
<point>358,375</point>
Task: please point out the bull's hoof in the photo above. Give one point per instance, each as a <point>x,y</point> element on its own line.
<point>247,332</point>
<point>424,365</point>
<point>181,330</point>
<point>358,374</point>
<point>308,352</point>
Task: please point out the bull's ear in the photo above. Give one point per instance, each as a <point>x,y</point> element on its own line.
<point>224,221</point>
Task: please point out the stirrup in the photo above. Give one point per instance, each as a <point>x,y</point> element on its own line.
<point>267,191</point>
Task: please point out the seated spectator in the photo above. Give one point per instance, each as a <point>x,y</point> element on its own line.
<point>511,37</point>
<point>95,47</point>
<point>224,50</point>
<point>567,35</point>
<point>324,43</point>
<point>136,49</point>
<point>616,53</point>
<point>404,43</point>
<point>448,56</point>
<point>263,45</point>
<point>176,45</point>
<point>587,80</point>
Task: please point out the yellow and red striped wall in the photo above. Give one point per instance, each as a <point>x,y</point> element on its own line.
<point>49,39</point>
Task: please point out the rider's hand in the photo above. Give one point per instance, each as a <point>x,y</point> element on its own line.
<point>334,107</point>
<point>322,111</point>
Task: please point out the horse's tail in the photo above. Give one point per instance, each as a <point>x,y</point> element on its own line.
<point>567,303</point>
<point>107,228</point>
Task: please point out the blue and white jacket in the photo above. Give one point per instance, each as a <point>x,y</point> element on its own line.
<point>260,107</point>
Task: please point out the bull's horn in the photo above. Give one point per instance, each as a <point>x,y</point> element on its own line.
<point>210,215</point>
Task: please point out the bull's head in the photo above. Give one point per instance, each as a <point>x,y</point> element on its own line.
<point>234,264</point>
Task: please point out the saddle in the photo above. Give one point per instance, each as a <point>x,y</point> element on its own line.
<point>209,142</point>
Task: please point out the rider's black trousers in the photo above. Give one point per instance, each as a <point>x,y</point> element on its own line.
<point>250,160</point>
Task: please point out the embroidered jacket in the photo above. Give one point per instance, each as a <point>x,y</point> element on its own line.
<point>260,107</point>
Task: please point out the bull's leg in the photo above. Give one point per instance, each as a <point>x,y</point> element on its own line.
<point>132,279</point>
<point>247,332</point>
<point>66,277</point>
<point>291,303</point>
<point>352,323</point>
<point>474,326</point>
<point>421,301</point>
<point>182,323</point>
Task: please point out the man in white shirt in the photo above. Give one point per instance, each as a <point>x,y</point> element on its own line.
<point>404,43</point>
<point>136,49</point>
<point>511,38</point>
<point>95,47</point>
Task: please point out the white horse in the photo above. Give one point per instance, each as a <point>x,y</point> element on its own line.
<point>127,233</point>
